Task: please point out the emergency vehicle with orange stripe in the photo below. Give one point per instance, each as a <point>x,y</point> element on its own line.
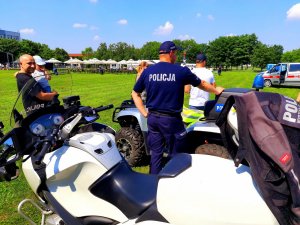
<point>284,74</point>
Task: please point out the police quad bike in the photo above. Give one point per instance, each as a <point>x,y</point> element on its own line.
<point>203,135</point>
<point>80,177</point>
<point>130,138</point>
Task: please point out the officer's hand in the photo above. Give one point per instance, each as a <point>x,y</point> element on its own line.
<point>219,90</point>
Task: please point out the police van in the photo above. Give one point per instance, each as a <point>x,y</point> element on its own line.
<point>285,74</point>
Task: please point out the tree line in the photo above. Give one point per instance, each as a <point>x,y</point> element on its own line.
<point>227,51</point>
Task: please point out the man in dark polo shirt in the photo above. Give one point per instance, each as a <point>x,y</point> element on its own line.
<point>164,83</point>
<point>33,97</point>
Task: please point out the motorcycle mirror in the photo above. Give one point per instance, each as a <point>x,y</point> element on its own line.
<point>17,116</point>
<point>9,172</point>
<point>1,127</point>
<point>55,100</point>
<point>8,153</point>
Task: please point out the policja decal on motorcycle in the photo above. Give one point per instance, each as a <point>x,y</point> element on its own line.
<point>34,107</point>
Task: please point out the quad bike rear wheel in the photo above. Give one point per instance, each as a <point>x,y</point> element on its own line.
<point>213,149</point>
<point>131,145</point>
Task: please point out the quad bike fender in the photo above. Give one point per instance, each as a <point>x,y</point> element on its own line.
<point>204,126</point>
<point>133,112</point>
<point>215,192</point>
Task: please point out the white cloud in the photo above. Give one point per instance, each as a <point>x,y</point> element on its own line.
<point>210,17</point>
<point>96,38</point>
<point>79,25</point>
<point>123,22</point>
<point>294,12</point>
<point>184,37</point>
<point>230,35</point>
<point>27,31</point>
<point>198,15</point>
<point>94,28</point>
<point>166,29</point>
<point>93,1</point>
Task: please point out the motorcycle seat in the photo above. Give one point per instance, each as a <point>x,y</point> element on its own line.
<point>130,191</point>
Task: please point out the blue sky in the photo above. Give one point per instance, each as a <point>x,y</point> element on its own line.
<point>77,24</point>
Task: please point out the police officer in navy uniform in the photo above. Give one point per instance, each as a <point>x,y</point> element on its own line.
<point>164,83</point>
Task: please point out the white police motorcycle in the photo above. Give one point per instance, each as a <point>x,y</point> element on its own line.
<point>73,166</point>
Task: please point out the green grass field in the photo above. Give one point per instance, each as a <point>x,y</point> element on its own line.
<point>94,90</point>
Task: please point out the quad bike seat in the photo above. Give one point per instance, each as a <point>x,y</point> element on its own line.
<point>213,108</point>
<point>209,113</point>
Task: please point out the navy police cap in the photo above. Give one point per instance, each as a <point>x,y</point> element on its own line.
<point>201,57</point>
<point>167,47</point>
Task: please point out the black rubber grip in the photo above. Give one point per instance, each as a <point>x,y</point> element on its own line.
<point>42,153</point>
<point>102,108</point>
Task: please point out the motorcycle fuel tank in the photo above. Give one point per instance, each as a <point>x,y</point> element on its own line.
<point>216,193</point>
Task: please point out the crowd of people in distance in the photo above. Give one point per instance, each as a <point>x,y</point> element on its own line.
<point>5,66</point>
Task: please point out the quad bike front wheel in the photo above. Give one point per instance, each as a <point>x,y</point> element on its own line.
<point>213,149</point>
<point>131,145</point>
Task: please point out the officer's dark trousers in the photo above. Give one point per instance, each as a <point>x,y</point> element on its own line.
<point>164,130</point>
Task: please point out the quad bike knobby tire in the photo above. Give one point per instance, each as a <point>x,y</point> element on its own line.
<point>213,149</point>
<point>131,145</point>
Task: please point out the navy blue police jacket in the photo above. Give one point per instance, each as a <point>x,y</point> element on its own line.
<point>164,83</point>
<point>269,142</point>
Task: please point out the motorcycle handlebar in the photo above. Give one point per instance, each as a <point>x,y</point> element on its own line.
<point>102,108</point>
<point>42,153</point>
<point>46,146</point>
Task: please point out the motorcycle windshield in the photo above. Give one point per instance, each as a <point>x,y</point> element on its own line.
<point>28,99</point>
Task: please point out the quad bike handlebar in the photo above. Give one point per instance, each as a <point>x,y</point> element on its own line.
<point>102,108</point>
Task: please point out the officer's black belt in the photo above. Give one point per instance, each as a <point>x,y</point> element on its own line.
<point>165,113</point>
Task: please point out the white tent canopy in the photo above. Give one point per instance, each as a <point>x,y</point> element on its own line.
<point>53,60</point>
<point>131,61</point>
<point>111,61</point>
<point>122,62</point>
<point>74,61</point>
<point>95,61</point>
